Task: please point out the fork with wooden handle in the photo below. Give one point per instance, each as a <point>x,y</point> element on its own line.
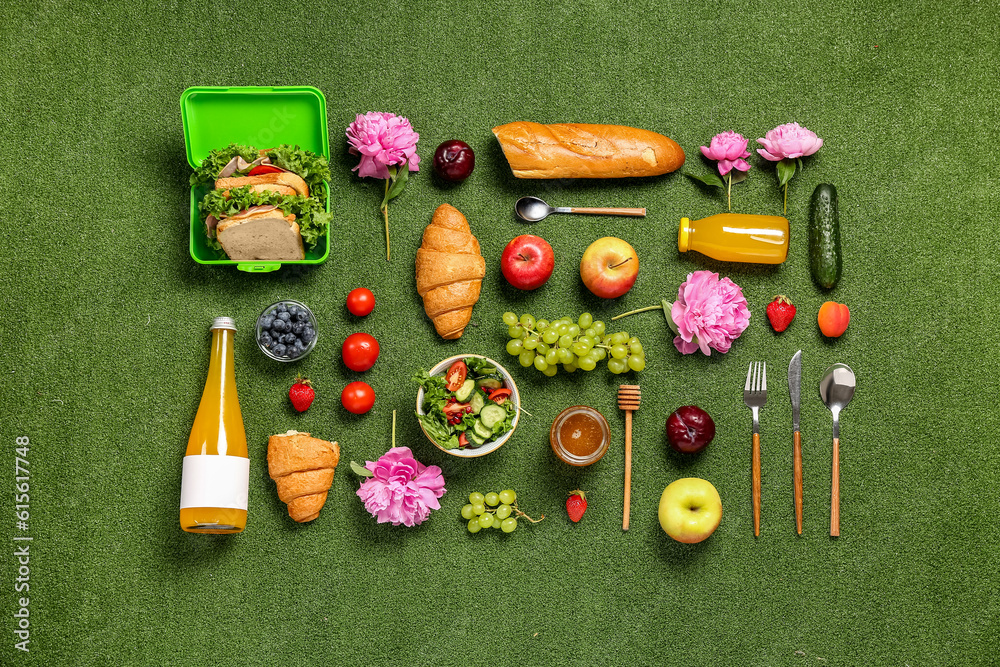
<point>628,400</point>
<point>755,396</point>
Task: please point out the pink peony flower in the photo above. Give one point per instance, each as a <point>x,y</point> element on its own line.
<point>383,140</point>
<point>708,313</point>
<point>730,150</point>
<point>789,141</point>
<point>402,490</point>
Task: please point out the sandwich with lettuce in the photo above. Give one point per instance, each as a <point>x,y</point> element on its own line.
<point>264,205</point>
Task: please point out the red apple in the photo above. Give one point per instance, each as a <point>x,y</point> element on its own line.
<point>609,267</point>
<point>527,262</point>
<point>690,429</point>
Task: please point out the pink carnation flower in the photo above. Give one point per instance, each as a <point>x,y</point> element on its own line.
<point>789,141</point>
<point>402,490</point>
<point>383,140</point>
<point>730,150</point>
<point>708,313</point>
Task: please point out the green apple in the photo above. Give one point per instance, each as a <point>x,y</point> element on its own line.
<point>690,510</point>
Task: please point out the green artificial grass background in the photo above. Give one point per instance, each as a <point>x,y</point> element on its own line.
<point>105,342</point>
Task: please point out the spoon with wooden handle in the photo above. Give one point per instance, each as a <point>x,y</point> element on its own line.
<point>628,400</point>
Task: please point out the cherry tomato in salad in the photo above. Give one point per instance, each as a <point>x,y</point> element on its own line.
<point>358,397</point>
<point>360,351</point>
<point>456,375</point>
<point>462,440</point>
<point>454,411</point>
<point>360,301</point>
<point>499,396</point>
<point>263,169</point>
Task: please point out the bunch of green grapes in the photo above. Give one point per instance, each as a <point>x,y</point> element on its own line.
<point>494,510</point>
<point>582,344</point>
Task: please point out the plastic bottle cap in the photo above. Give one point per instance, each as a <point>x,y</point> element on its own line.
<point>683,235</point>
<point>224,323</point>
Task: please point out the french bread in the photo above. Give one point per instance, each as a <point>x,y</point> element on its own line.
<point>574,150</point>
<point>260,233</point>
<point>285,183</point>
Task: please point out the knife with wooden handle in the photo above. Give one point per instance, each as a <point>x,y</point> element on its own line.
<point>794,391</point>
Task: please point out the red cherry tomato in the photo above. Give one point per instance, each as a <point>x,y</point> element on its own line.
<point>500,395</point>
<point>358,397</point>
<point>462,440</point>
<point>360,301</point>
<point>455,411</point>
<point>456,375</point>
<point>263,169</point>
<point>360,351</point>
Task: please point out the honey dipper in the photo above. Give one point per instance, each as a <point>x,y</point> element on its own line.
<point>628,400</point>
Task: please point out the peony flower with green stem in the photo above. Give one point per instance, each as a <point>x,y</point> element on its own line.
<point>387,145</point>
<point>729,149</point>
<point>787,144</point>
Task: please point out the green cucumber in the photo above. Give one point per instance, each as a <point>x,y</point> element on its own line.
<point>477,402</point>
<point>492,383</point>
<point>474,438</point>
<point>465,391</point>
<point>824,236</point>
<point>481,429</point>
<point>491,415</point>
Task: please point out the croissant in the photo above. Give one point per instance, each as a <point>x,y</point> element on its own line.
<point>303,468</point>
<point>450,271</point>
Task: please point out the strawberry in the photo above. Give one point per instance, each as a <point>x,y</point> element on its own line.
<point>576,505</point>
<point>781,312</point>
<point>301,394</point>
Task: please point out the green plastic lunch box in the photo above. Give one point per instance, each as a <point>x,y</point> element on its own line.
<point>216,116</point>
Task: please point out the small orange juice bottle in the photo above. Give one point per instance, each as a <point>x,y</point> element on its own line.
<point>736,237</point>
<point>216,477</point>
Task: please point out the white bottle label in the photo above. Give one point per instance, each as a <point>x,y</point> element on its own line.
<point>209,480</point>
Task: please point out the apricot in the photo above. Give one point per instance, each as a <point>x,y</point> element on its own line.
<point>833,319</point>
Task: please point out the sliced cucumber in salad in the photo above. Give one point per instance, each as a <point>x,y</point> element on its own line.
<point>467,406</point>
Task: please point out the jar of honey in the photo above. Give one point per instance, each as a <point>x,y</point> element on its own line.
<point>580,435</point>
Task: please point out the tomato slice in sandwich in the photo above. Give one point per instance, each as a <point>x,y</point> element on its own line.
<point>500,395</point>
<point>456,375</point>
<point>263,169</point>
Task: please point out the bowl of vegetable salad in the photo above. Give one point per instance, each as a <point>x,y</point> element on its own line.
<point>467,405</point>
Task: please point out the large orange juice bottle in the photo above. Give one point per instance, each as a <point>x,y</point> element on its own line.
<point>216,477</point>
<point>736,237</point>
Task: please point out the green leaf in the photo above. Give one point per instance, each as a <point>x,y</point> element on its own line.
<point>361,470</point>
<point>709,179</point>
<point>399,182</point>
<point>786,169</point>
<point>667,307</point>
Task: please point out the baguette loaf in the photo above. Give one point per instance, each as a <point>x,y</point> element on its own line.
<point>571,150</point>
<point>260,233</point>
<point>285,183</point>
<point>302,467</point>
<point>450,271</point>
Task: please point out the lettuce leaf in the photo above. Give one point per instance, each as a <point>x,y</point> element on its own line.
<point>314,169</point>
<point>217,159</point>
<point>313,220</point>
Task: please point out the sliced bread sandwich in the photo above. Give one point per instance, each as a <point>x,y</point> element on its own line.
<point>260,233</point>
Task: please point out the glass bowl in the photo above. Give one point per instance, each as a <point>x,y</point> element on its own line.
<point>269,340</point>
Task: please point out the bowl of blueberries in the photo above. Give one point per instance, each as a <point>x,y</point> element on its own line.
<point>286,330</point>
